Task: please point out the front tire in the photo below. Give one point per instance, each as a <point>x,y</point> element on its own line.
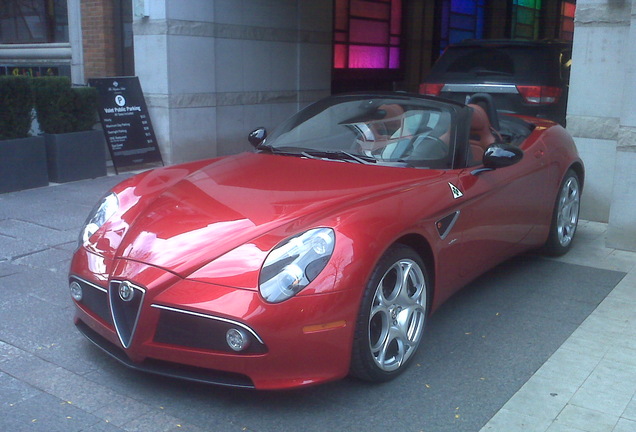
<point>565,217</point>
<point>392,316</point>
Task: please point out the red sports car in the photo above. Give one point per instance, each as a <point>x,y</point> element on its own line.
<point>322,253</point>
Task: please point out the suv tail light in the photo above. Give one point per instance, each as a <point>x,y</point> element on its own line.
<point>540,95</point>
<point>431,89</point>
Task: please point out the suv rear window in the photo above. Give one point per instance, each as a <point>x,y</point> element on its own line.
<point>518,64</point>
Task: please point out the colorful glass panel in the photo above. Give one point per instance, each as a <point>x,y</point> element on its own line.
<point>368,34</point>
<point>569,9</point>
<point>367,57</point>
<point>464,22</point>
<point>461,19</point>
<point>394,58</point>
<point>341,15</point>
<point>369,9</point>
<point>526,19</point>
<point>396,17</point>
<point>526,3</point>
<point>464,7</point>
<point>567,21</point>
<point>339,56</point>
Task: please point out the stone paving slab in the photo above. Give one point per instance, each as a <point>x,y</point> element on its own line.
<point>589,383</point>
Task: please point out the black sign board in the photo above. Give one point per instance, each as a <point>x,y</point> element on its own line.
<point>125,120</point>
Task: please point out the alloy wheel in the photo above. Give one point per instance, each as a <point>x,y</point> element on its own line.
<point>568,211</point>
<point>397,316</point>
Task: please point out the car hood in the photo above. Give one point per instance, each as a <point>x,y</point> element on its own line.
<point>235,199</point>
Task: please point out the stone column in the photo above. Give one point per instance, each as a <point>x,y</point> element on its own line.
<point>75,39</point>
<point>212,70</point>
<point>621,232</point>
<point>597,85</point>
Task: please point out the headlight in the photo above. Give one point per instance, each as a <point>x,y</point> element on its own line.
<point>294,263</point>
<point>98,217</point>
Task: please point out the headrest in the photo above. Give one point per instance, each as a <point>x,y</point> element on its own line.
<point>486,101</point>
<point>480,119</point>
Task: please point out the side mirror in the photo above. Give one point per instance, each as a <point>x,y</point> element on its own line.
<point>502,155</point>
<point>257,136</point>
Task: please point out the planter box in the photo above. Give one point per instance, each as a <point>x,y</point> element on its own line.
<point>75,156</point>
<point>23,164</point>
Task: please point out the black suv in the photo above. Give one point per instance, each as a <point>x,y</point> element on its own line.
<point>524,77</point>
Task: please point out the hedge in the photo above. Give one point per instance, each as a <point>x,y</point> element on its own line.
<point>62,109</point>
<point>85,107</point>
<point>16,107</point>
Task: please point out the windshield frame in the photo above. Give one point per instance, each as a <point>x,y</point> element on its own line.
<point>343,131</point>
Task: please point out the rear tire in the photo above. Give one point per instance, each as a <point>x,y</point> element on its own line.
<point>392,316</point>
<point>565,217</point>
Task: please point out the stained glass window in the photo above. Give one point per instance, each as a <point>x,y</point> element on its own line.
<point>567,20</point>
<point>367,34</point>
<point>526,19</point>
<point>461,19</point>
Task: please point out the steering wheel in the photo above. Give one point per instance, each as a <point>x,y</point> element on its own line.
<point>435,149</point>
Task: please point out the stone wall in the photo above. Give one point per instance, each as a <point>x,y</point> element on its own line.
<point>601,113</point>
<point>213,70</point>
<point>621,231</point>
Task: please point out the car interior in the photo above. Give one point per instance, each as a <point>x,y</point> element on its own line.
<point>488,127</point>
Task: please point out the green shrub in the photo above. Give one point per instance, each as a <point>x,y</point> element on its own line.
<point>16,107</point>
<point>85,107</point>
<point>62,109</point>
<point>53,104</point>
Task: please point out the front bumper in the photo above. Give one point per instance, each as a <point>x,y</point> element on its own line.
<point>178,328</point>
<point>158,367</point>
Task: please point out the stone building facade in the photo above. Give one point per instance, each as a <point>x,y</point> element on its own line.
<point>602,113</point>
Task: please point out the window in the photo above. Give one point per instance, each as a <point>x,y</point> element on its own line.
<point>494,61</point>
<point>33,21</point>
<point>525,19</point>
<point>32,71</point>
<point>461,19</point>
<point>566,32</point>
<point>367,34</point>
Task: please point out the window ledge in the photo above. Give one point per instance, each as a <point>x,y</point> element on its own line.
<point>43,51</point>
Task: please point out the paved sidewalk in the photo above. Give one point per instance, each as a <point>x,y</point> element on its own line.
<point>51,383</point>
<point>589,383</point>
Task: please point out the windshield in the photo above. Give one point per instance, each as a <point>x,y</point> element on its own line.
<point>390,131</point>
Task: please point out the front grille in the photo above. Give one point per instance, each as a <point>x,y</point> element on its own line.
<point>173,370</point>
<point>95,299</point>
<point>189,329</point>
<point>125,303</point>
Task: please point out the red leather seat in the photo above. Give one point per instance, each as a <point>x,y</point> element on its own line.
<point>482,135</point>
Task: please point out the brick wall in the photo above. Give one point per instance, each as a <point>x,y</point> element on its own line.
<point>99,38</point>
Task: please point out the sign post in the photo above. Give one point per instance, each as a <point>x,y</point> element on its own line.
<point>127,128</point>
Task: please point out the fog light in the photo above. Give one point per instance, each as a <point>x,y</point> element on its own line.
<point>237,339</point>
<point>76,291</point>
